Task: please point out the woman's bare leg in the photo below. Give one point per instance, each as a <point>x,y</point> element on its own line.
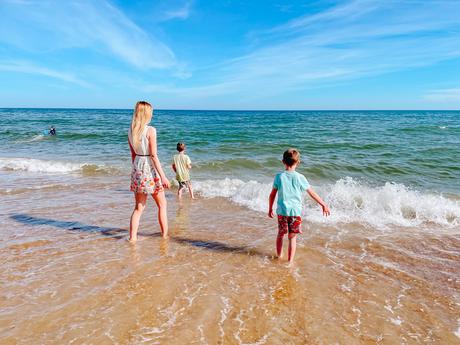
<point>160,200</point>
<point>140,201</point>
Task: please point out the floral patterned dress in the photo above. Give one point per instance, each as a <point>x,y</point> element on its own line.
<point>144,178</point>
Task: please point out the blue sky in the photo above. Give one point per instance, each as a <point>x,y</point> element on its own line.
<point>192,54</point>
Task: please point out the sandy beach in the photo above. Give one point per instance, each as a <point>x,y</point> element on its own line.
<point>70,277</point>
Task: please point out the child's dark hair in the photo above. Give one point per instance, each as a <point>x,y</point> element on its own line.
<point>180,147</point>
<point>291,157</point>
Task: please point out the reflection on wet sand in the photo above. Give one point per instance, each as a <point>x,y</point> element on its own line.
<point>180,222</point>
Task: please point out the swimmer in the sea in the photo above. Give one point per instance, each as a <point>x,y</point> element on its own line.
<point>52,131</point>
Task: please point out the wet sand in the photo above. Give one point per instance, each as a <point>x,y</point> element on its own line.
<point>70,277</point>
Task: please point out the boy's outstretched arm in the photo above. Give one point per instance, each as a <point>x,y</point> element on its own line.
<point>316,197</point>
<point>174,167</point>
<point>271,200</point>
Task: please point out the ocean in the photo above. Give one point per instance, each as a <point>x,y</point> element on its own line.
<point>383,268</point>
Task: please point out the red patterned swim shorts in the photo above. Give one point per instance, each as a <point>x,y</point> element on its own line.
<point>291,224</point>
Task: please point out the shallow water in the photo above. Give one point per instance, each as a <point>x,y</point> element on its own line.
<point>383,269</point>
<point>70,276</point>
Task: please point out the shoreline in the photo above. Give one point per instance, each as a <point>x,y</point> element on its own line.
<point>217,273</point>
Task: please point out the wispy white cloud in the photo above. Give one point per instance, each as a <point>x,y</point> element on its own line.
<point>97,25</point>
<point>349,41</point>
<point>182,12</point>
<point>444,95</point>
<point>208,90</point>
<point>29,68</point>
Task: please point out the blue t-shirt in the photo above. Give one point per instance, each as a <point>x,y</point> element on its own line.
<point>290,185</point>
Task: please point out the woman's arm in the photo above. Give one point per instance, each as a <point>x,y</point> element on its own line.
<point>133,153</point>
<point>152,137</point>
<point>314,196</point>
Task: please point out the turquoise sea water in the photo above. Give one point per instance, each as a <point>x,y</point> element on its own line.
<point>349,155</point>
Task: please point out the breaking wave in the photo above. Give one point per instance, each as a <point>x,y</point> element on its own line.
<point>54,167</point>
<point>350,201</point>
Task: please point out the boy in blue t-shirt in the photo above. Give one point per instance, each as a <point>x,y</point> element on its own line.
<point>290,186</point>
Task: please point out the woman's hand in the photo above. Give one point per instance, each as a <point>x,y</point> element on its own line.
<point>165,182</point>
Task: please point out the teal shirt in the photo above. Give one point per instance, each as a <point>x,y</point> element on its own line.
<point>290,185</point>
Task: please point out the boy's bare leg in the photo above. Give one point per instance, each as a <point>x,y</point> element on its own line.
<point>292,247</point>
<point>190,190</point>
<point>279,245</point>
<point>179,191</point>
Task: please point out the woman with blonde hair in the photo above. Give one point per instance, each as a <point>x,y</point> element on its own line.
<point>147,176</point>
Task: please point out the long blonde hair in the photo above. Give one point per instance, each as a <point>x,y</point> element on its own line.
<point>142,115</point>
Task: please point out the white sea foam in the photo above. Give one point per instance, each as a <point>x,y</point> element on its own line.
<point>350,201</point>
<point>43,166</point>
<point>36,138</point>
<point>37,165</point>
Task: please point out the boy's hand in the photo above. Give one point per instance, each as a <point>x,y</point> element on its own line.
<point>270,213</point>
<point>326,211</point>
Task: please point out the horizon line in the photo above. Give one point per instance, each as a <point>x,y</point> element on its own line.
<point>244,110</point>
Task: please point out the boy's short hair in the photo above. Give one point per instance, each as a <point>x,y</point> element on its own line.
<point>180,147</point>
<point>291,157</point>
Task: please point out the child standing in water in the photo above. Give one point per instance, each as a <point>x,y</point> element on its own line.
<point>181,165</point>
<point>290,186</point>
<point>142,140</point>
